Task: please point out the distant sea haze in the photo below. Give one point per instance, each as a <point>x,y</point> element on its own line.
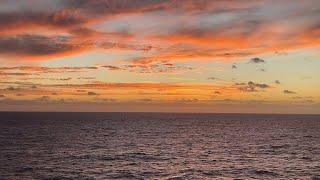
<point>158,146</point>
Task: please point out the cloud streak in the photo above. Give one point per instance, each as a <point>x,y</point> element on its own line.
<point>257,60</point>
<point>35,45</point>
<point>150,51</point>
<point>252,86</point>
<point>237,32</point>
<point>289,92</point>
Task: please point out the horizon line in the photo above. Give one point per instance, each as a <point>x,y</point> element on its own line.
<point>160,112</point>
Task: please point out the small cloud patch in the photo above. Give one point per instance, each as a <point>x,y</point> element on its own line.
<point>12,88</point>
<point>251,86</point>
<point>43,98</point>
<point>288,92</point>
<point>213,78</point>
<point>257,60</point>
<point>65,79</point>
<point>146,100</point>
<point>217,92</point>
<point>92,93</point>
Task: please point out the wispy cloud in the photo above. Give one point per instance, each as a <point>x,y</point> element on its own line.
<point>92,93</point>
<point>289,92</point>
<point>252,86</point>
<point>149,51</point>
<point>237,31</point>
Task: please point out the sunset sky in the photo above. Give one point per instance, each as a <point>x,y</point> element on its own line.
<point>260,56</point>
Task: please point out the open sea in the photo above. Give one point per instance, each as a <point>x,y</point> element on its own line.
<point>158,146</point>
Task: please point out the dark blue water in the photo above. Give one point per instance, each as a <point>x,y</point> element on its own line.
<point>158,146</point>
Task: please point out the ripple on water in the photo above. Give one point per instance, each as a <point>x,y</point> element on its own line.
<point>159,146</point>
<point>265,173</point>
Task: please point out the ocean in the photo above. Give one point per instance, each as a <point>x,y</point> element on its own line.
<point>158,146</point>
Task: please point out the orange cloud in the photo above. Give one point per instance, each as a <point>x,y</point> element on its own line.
<point>121,91</point>
<point>224,44</point>
<point>245,35</point>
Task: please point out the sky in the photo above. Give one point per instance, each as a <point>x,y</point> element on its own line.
<point>219,56</point>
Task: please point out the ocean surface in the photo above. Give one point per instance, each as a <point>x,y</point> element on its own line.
<point>158,146</point>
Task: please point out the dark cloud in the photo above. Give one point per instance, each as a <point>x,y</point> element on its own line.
<point>213,78</point>
<point>108,7</point>
<point>65,79</point>
<point>105,100</point>
<point>158,67</point>
<point>2,96</point>
<point>257,60</point>
<point>250,83</point>
<point>279,53</point>
<point>240,84</point>
<point>277,82</point>
<point>34,45</point>
<point>146,100</point>
<point>235,54</point>
<point>289,92</point>
<point>121,46</point>
<point>234,66</point>
<point>217,92</point>
<point>251,86</point>
<point>168,64</point>
<point>92,93</point>
<point>12,88</point>
<point>37,70</point>
<point>48,46</point>
<point>16,74</point>
<point>87,78</point>
<point>43,99</point>
<point>109,67</point>
<point>59,19</point>
<point>184,100</point>
<point>70,13</point>
<point>76,17</point>
<point>20,83</point>
<point>309,101</point>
